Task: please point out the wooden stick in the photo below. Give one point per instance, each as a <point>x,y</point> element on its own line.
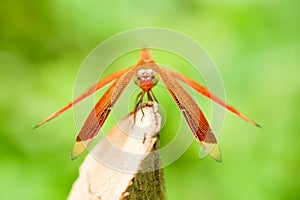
<point>126,163</point>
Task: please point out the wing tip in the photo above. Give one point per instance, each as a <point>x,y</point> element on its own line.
<point>79,147</point>
<point>36,126</point>
<point>253,123</point>
<point>216,153</point>
<point>73,157</point>
<point>213,150</point>
<point>40,124</point>
<point>257,125</point>
<point>45,121</point>
<point>245,118</point>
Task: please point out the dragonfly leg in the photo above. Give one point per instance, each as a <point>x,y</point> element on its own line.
<point>149,96</point>
<point>139,103</point>
<point>153,96</point>
<point>136,106</point>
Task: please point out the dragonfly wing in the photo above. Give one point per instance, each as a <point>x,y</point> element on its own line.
<point>202,90</point>
<point>192,114</point>
<point>89,92</point>
<point>100,113</point>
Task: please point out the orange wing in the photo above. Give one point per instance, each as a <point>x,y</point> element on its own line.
<point>202,90</point>
<point>92,90</point>
<point>100,113</point>
<point>192,114</point>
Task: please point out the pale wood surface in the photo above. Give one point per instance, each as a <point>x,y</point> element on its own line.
<point>121,165</point>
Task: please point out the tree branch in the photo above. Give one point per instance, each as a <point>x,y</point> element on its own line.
<point>126,163</point>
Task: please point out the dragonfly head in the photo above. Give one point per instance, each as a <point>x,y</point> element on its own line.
<point>146,78</point>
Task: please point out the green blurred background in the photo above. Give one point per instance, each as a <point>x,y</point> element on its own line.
<point>254,43</point>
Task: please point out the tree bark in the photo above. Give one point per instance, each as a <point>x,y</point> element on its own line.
<point>126,163</point>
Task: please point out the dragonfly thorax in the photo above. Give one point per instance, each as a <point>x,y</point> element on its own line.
<point>146,79</point>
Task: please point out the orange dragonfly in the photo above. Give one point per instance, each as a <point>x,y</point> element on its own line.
<point>145,74</point>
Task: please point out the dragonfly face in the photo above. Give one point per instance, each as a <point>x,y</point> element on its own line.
<point>146,78</point>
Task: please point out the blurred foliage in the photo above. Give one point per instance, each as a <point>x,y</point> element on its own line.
<point>254,43</point>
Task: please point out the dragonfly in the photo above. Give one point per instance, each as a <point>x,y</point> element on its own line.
<point>145,74</point>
